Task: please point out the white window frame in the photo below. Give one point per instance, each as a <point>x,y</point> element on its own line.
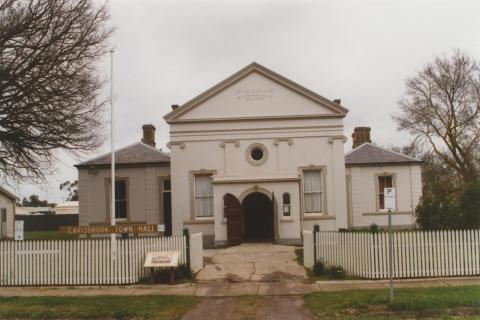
<point>195,197</point>
<point>322,210</point>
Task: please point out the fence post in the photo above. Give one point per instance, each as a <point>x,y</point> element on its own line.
<point>316,230</point>
<point>308,249</point>
<point>186,234</point>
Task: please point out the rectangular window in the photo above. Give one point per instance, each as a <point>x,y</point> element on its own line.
<point>120,199</point>
<point>286,204</point>
<point>312,191</point>
<point>383,182</point>
<point>203,195</point>
<point>3,214</point>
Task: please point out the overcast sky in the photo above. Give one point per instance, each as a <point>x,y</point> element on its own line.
<point>167,52</point>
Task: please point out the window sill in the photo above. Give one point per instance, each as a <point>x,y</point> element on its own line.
<point>286,219</point>
<point>317,217</point>
<point>201,221</point>
<point>385,213</point>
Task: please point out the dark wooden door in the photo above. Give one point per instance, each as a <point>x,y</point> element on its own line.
<point>234,221</point>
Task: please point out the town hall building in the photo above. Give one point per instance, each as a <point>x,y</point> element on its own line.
<point>256,157</point>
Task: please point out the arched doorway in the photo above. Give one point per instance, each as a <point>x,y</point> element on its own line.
<point>257,217</point>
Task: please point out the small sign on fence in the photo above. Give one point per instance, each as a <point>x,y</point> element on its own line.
<point>162,259</point>
<point>105,229</point>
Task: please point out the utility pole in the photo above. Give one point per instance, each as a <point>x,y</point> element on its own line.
<point>390,204</point>
<point>112,135</point>
<point>390,254</point>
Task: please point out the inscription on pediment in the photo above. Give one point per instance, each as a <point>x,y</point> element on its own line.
<point>254,94</point>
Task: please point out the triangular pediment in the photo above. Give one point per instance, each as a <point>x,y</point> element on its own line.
<point>255,92</point>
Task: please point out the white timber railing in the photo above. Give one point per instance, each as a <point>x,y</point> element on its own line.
<point>86,261</point>
<point>416,254</point>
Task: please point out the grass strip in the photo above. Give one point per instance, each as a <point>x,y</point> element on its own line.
<point>418,302</point>
<point>99,307</point>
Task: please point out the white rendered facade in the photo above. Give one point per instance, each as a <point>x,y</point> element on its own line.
<point>296,130</point>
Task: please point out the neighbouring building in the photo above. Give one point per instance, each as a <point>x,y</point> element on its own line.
<point>67,207</point>
<point>142,185</point>
<point>7,214</point>
<point>370,169</point>
<point>29,211</point>
<point>255,157</point>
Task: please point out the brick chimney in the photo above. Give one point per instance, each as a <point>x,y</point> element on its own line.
<point>148,134</point>
<point>360,136</point>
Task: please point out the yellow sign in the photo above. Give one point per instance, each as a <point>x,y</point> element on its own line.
<point>122,228</point>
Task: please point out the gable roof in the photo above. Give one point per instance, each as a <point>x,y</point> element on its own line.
<point>8,194</point>
<point>369,153</point>
<point>255,67</point>
<point>135,154</point>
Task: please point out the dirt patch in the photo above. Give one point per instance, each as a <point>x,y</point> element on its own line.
<point>279,276</point>
<point>233,278</point>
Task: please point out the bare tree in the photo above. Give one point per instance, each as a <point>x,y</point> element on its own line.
<point>49,82</point>
<point>71,188</point>
<point>441,108</point>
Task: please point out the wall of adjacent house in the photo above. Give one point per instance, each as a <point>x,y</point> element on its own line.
<point>362,191</point>
<point>143,191</point>
<point>9,204</point>
<point>292,143</point>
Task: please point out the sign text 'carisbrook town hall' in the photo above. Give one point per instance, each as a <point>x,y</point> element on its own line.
<point>144,228</point>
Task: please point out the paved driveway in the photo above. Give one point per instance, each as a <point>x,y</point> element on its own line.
<point>252,263</point>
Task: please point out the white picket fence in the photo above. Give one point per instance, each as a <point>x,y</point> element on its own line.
<point>416,254</point>
<point>81,262</point>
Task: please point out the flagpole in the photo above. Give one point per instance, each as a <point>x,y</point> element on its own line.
<point>112,147</point>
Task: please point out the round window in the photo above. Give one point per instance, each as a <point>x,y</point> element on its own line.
<point>257,154</point>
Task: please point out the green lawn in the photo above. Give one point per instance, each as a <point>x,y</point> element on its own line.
<point>437,303</point>
<point>48,235</point>
<point>104,307</point>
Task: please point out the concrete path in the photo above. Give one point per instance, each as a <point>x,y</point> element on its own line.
<point>265,308</point>
<point>252,263</point>
<point>214,289</point>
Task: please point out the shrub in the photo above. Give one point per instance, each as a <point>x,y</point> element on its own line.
<point>373,228</point>
<point>318,268</point>
<point>469,205</point>
<point>330,272</point>
<point>335,272</point>
<point>459,209</point>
